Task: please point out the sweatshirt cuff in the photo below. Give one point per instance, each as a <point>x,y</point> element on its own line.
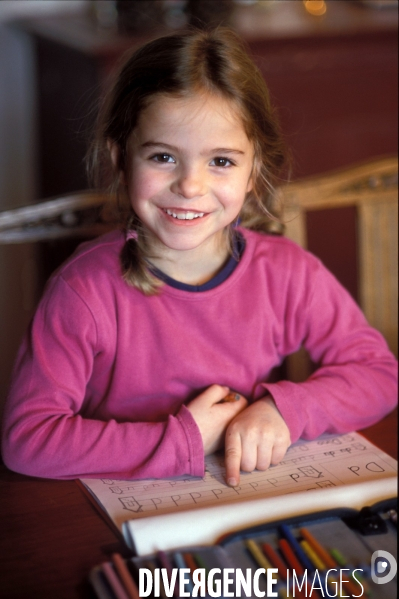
<point>287,397</point>
<point>195,446</point>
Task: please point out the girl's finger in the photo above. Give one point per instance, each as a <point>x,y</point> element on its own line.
<point>264,456</point>
<point>278,453</point>
<point>249,454</point>
<point>232,456</point>
<point>214,394</point>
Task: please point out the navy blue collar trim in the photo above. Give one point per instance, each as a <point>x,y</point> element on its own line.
<point>220,277</point>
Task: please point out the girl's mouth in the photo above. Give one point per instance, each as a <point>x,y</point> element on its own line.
<point>183,215</point>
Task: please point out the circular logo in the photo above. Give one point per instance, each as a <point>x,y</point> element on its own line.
<point>383,567</point>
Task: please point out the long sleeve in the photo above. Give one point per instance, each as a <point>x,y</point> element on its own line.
<point>355,383</point>
<point>103,376</point>
<point>51,429</point>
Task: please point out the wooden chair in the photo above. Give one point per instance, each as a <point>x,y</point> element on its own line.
<point>369,193</point>
<point>77,215</point>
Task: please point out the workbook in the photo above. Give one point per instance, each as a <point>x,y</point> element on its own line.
<point>163,514</point>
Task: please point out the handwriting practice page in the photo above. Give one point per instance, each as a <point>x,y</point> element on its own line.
<point>327,462</point>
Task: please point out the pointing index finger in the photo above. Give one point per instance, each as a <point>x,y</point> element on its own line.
<point>233,459</point>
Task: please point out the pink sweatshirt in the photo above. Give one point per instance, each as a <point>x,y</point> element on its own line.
<point>104,372</point>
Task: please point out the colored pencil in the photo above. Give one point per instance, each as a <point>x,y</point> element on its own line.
<point>200,561</point>
<point>301,555</point>
<point>190,562</point>
<point>278,563</point>
<point>167,564</point>
<point>165,561</point>
<point>312,555</point>
<point>275,560</point>
<point>343,562</point>
<point>257,554</point>
<point>125,576</point>
<point>290,556</point>
<point>319,565</point>
<point>201,564</point>
<point>114,581</point>
<point>150,566</point>
<point>295,564</point>
<point>180,563</point>
<point>317,562</point>
<point>318,548</point>
<point>231,397</point>
<point>326,558</point>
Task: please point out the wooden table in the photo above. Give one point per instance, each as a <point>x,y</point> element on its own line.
<point>51,534</point>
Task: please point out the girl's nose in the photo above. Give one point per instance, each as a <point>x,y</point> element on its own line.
<point>189,183</point>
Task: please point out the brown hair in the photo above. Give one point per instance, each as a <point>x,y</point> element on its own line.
<point>183,63</point>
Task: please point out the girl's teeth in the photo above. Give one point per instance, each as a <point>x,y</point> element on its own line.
<point>185,215</point>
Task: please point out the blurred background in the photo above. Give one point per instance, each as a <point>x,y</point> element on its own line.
<point>331,67</point>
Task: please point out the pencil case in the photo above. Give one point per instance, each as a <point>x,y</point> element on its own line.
<point>334,553</point>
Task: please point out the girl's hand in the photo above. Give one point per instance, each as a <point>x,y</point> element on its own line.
<point>256,438</point>
<point>212,416</point>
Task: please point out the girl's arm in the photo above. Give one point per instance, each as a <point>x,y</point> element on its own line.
<point>355,381</point>
<point>354,386</point>
<point>50,425</point>
<point>58,418</point>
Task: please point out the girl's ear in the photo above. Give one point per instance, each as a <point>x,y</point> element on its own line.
<point>115,154</point>
<point>254,173</point>
<point>250,184</point>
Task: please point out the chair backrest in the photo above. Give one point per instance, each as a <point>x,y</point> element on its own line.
<point>352,214</point>
<point>79,214</point>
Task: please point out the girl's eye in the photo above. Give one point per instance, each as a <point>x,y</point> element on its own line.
<point>163,158</point>
<point>221,162</point>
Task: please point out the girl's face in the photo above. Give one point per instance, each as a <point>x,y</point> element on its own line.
<point>188,171</point>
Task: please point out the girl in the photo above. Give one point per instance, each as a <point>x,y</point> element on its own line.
<point>143,333</point>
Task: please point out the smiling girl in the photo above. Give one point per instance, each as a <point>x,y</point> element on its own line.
<point>143,334</point>
<point>183,186</point>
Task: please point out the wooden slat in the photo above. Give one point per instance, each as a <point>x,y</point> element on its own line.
<point>373,189</point>
<point>375,180</point>
<point>378,241</point>
<point>28,215</point>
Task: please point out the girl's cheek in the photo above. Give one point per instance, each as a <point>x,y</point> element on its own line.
<point>143,189</point>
